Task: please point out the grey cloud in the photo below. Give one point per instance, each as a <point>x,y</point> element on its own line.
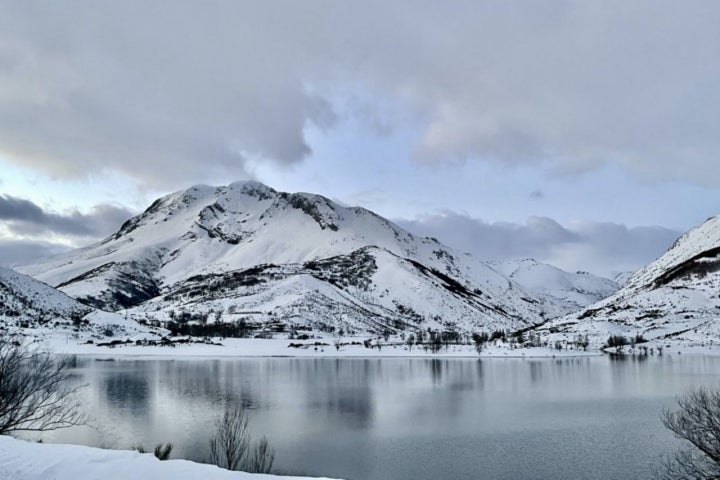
<point>600,247</point>
<point>23,217</point>
<point>166,92</point>
<point>22,252</point>
<point>179,91</point>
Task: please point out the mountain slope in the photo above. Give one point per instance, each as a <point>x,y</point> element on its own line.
<point>32,308</point>
<point>676,296</point>
<point>569,291</point>
<point>25,299</point>
<point>289,258</point>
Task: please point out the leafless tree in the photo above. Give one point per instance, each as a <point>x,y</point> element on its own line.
<point>230,447</point>
<point>698,422</point>
<point>35,394</point>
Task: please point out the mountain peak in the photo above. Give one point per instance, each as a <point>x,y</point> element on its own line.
<point>284,254</point>
<point>571,290</point>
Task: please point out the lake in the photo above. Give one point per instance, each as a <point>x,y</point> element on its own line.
<point>419,419</point>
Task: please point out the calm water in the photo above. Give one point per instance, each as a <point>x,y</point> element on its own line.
<point>593,418</point>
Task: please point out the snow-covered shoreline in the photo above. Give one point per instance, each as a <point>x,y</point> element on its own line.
<point>22,460</point>
<point>257,348</point>
<point>250,347</point>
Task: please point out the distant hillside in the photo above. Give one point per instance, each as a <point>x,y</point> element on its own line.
<point>569,291</point>
<point>675,297</point>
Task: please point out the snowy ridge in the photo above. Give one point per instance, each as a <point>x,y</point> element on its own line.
<point>569,291</point>
<point>675,297</point>
<point>303,246</point>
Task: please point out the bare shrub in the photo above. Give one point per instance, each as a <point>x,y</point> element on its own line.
<point>34,390</point>
<point>261,458</point>
<point>231,440</point>
<point>230,447</point>
<point>162,450</point>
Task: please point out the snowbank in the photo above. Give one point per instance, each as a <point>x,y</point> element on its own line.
<point>20,460</point>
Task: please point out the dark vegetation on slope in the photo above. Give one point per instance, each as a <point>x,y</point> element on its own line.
<point>342,271</point>
<point>699,265</point>
<point>355,269</point>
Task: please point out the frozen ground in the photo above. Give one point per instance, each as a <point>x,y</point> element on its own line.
<point>20,460</point>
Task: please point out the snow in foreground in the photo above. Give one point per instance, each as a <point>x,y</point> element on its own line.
<point>20,460</point>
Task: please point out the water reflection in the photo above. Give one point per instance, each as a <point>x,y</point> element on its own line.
<point>128,391</point>
<point>536,371</point>
<point>403,418</point>
<point>340,391</point>
<point>436,368</point>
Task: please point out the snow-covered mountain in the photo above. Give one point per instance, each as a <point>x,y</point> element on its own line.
<point>569,291</point>
<point>247,251</point>
<point>25,299</point>
<point>32,308</point>
<point>676,296</point>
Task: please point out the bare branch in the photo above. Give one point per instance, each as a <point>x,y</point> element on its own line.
<point>698,422</point>
<point>34,390</point>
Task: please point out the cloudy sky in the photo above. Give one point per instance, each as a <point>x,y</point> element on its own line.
<point>582,133</point>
